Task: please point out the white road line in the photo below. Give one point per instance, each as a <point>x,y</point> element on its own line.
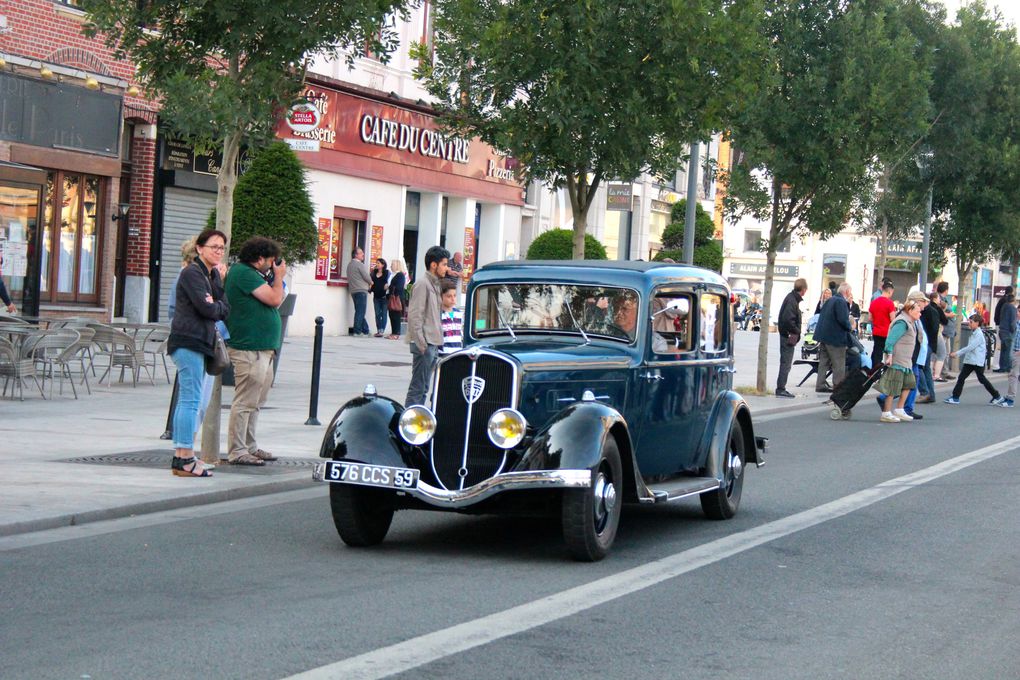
<point>416,652</point>
<point>70,533</point>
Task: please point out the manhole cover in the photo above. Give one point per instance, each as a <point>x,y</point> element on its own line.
<point>390,364</point>
<point>160,458</point>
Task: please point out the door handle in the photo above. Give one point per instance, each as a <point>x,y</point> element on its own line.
<point>651,377</point>
<point>726,369</point>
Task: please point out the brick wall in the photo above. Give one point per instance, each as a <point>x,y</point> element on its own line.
<point>143,177</point>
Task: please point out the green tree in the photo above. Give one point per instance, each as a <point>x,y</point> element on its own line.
<point>591,90</point>
<point>844,84</point>
<point>707,251</point>
<point>222,70</point>
<point>271,199</point>
<point>976,142</point>
<point>557,244</point>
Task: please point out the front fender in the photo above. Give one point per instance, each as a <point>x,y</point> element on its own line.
<point>573,440</point>
<point>364,429</point>
<point>729,408</point>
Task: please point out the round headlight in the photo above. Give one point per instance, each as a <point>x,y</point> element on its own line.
<point>506,428</point>
<point>417,425</point>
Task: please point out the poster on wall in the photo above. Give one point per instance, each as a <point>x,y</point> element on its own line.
<point>322,255</point>
<point>469,253</point>
<point>375,248</point>
<point>15,258</point>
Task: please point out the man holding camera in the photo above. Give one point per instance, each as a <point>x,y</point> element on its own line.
<point>254,288</point>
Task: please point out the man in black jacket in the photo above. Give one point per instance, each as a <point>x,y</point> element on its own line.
<point>833,335</point>
<point>789,333</point>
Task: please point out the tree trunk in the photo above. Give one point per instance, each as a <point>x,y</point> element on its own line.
<point>884,254</point>
<point>961,306</point>
<point>766,309</point>
<point>581,194</point>
<point>226,182</point>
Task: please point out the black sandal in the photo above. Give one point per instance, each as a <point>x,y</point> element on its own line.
<point>179,467</point>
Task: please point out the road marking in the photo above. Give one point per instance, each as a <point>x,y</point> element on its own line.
<point>70,533</point>
<point>416,652</point>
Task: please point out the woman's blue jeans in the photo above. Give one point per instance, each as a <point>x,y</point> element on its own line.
<point>380,314</point>
<point>191,377</point>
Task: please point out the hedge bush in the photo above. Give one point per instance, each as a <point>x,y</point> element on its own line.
<point>558,244</point>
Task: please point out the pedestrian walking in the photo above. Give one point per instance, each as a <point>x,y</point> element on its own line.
<point>255,334</point>
<point>1006,322</point>
<point>1014,371</point>
<point>4,295</point>
<point>941,371</point>
<point>901,350</point>
<point>1000,304</point>
<point>833,336</point>
<point>789,326</point>
<point>359,283</point>
<point>882,311</point>
<point>200,303</point>
<point>451,319</point>
<point>424,332</point>
<point>380,279</point>
<point>395,296</point>
<point>932,320</point>
<point>973,356</point>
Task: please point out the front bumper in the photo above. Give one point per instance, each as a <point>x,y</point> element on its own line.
<point>508,481</point>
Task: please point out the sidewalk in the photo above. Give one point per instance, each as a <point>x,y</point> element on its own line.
<point>125,471</point>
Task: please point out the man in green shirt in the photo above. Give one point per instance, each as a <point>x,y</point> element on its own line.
<point>254,325</point>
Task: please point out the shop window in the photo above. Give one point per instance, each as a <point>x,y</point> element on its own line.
<point>19,213</point>
<point>72,237</point>
<point>657,223</point>
<point>616,235</point>
<point>753,242</point>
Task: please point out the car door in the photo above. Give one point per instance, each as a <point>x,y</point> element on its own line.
<point>714,363</point>
<point>667,383</point>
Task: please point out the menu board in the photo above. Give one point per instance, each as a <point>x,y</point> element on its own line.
<point>375,248</point>
<point>322,255</point>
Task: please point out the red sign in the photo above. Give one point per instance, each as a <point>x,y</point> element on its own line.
<point>375,248</point>
<point>322,256</point>
<point>469,253</point>
<point>303,118</point>
<point>367,138</point>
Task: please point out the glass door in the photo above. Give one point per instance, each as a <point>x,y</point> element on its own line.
<point>19,220</point>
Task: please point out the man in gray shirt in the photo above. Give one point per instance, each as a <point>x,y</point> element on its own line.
<point>358,283</point>
<point>424,329</point>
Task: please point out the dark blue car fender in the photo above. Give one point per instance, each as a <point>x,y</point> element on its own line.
<point>364,430</point>
<point>729,408</point>
<point>573,440</point>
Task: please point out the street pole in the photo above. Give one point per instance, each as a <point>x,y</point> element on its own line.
<point>692,202</point>
<point>926,243</point>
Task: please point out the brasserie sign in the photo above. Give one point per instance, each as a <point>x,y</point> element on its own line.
<point>411,138</point>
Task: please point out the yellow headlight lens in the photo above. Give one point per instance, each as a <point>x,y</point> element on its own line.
<point>507,428</point>
<point>417,425</point>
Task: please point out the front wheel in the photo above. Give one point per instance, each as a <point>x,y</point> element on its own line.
<point>591,516</point>
<point>724,501</point>
<point>361,515</point>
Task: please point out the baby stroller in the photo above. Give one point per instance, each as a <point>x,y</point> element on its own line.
<point>853,388</point>
<point>809,348</point>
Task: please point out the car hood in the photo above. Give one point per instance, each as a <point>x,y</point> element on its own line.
<point>544,355</point>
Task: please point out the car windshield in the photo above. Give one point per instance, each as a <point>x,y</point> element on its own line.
<point>556,308</point>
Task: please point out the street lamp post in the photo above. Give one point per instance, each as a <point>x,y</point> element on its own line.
<point>924,163</point>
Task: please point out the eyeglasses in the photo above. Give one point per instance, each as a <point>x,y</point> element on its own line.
<point>218,249</point>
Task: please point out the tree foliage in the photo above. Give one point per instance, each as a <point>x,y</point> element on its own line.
<point>707,251</point>
<point>222,69</point>
<point>591,91</point>
<point>272,200</point>
<point>844,84</point>
<point>557,244</point>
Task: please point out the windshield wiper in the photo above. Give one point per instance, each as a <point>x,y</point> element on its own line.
<point>573,320</point>
<point>506,325</point>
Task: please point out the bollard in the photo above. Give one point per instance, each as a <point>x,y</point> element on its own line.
<point>313,398</point>
<point>169,432</point>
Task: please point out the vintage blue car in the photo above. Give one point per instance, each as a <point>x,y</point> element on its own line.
<point>582,385</point>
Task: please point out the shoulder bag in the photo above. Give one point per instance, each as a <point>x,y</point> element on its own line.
<point>220,359</point>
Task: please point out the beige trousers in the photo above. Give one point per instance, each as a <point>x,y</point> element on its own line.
<point>253,376</point>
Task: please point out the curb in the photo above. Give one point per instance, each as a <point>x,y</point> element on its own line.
<point>147,507</point>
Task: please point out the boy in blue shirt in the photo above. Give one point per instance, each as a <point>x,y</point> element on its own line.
<point>974,362</point>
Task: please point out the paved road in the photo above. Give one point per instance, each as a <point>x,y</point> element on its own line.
<point>829,571</point>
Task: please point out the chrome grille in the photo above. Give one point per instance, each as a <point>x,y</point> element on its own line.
<point>462,454</point>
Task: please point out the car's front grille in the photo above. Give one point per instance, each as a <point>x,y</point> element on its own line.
<point>458,421</point>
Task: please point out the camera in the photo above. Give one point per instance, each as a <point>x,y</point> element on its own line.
<point>279,261</point>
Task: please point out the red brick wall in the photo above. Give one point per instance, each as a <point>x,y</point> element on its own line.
<point>143,177</point>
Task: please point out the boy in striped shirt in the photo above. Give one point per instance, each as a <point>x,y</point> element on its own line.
<point>451,319</point>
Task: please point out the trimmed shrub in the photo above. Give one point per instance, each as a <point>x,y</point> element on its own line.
<point>558,244</point>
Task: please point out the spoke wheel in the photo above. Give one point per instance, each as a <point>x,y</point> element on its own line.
<point>724,501</point>
<point>361,515</point>
<point>591,516</point>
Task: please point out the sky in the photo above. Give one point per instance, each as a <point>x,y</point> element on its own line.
<point>1010,9</point>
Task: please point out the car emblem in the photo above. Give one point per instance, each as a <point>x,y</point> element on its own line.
<point>472,388</point>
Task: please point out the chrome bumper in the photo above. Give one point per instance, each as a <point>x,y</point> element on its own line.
<point>508,481</point>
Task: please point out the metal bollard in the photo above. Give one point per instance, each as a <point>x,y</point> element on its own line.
<point>313,398</point>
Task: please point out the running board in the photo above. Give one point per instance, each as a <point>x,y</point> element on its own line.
<point>676,489</point>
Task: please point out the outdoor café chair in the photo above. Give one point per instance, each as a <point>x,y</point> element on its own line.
<point>121,351</point>
<point>16,365</point>
<point>56,348</point>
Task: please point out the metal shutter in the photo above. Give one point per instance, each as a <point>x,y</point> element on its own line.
<point>184,215</point>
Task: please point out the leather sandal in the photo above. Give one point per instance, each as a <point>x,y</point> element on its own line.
<point>186,467</point>
<point>262,454</point>
<point>248,459</point>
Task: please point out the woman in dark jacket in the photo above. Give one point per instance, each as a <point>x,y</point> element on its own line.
<point>395,291</point>
<point>200,304</point>
<point>380,277</point>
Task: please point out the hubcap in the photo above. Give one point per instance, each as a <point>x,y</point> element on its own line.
<point>604,501</point>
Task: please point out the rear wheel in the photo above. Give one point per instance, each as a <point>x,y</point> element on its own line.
<point>591,516</point>
<point>361,515</point>
<point>724,501</point>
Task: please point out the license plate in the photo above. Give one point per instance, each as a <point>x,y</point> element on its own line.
<point>370,475</point>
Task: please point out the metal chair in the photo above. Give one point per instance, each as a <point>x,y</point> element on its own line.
<point>155,345</point>
<point>56,348</point>
<point>16,364</point>
<point>120,350</point>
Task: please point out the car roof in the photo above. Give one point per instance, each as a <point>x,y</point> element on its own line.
<point>633,273</point>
